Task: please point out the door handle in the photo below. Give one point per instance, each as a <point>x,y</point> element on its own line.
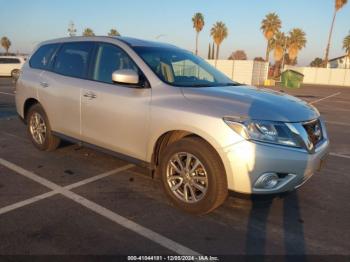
<point>90,95</point>
<point>44,84</point>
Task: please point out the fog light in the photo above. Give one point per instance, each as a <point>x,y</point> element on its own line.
<point>267,181</point>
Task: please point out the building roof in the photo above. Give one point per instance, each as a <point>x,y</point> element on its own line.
<point>337,58</point>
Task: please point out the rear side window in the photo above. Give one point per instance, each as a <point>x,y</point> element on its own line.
<point>9,61</point>
<point>73,59</point>
<point>42,58</point>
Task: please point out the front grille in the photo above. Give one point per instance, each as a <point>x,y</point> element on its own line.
<point>314,131</point>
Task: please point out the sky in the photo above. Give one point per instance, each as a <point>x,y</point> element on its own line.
<point>28,22</point>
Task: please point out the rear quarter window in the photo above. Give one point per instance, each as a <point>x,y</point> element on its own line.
<point>42,58</point>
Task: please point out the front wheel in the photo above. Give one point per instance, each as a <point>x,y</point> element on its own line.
<point>39,130</point>
<point>193,176</point>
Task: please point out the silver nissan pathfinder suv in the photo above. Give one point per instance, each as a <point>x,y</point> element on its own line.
<point>163,107</point>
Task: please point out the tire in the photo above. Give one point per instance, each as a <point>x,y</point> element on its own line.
<point>15,74</point>
<point>209,175</point>
<point>48,141</point>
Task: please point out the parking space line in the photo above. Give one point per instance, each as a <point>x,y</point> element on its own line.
<point>54,192</point>
<point>324,98</point>
<point>137,228</point>
<point>118,219</point>
<point>339,155</point>
<point>95,178</point>
<point>29,175</point>
<point>9,94</point>
<point>26,202</point>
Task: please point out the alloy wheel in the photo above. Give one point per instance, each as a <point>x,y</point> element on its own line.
<point>37,128</point>
<point>187,177</point>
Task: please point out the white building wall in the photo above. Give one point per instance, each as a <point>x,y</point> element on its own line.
<point>243,71</point>
<point>323,76</point>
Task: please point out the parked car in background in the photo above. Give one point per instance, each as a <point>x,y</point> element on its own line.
<point>165,108</point>
<point>11,65</point>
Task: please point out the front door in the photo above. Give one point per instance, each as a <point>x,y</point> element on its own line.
<point>115,116</point>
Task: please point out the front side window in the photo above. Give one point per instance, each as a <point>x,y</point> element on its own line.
<point>181,68</point>
<point>42,58</point>
<point>73,59</point>
<point>110,58</point>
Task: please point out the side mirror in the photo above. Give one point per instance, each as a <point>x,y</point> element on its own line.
<point>125,76</point>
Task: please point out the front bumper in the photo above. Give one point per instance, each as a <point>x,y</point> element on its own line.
<point>246,161</point>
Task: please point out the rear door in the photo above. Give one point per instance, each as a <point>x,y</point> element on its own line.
<point>60,87</point>
<point>7,64</point>
<point>115,116</point>
<point>3,67</point>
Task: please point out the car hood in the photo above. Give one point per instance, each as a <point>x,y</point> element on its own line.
<point>253,103</point>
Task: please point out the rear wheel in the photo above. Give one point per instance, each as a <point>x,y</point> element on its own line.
<point>15,74</point>
<point>39,130</point>
<point>193,175</point>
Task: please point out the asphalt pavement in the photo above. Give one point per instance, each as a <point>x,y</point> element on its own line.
<point>77,201</point>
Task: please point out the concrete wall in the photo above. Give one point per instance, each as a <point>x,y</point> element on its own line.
<point>323,76</point>
<point>243,71</point>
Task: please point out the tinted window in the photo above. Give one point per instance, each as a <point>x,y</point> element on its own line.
<point>42,58</point>
<point>6,60</point>
<point>110,58</point>
<point>73,59</point>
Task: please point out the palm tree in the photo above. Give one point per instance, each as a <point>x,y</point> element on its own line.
<point>113,32</point>
<point>5,43</point>
<point>278,44</point>
<point>219,32</point>
<point>270,25</point>
<point>296,42</point>
<point>88,32</point>
<point>346,47</point>
<point>198,24</point>
<point>338,5</point>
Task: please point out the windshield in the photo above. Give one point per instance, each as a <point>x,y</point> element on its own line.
<point>181,68</point>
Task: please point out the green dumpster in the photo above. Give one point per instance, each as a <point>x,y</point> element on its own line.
<point>292,79</point>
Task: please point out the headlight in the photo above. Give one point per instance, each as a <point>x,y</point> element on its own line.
<point>264,131</point>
